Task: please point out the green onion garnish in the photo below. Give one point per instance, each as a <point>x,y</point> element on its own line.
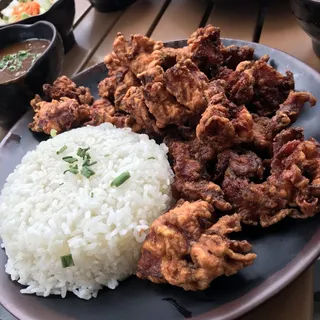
<point>82,152</point>
<point>91,163</point>
<point>72,169</point>
<point>69,159</point>
<point>87,172</point>
<point>67,261</point>
<point>118,181</point>
<point>151,158</point>
<point>53,132</point>
<point>64,148</point>
<point>91,194</point>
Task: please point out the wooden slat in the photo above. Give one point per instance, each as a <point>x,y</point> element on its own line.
<point>281,31</point>
<point>237,19</point>
<point>89,33</point>
<point>180,19</point>
<point>138,18</point>
<point>81,7</point>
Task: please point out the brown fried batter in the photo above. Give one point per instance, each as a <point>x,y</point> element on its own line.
<point>239,85</point>
<point>233,55</point>
<point>61,115</point>
<point>265,129</point>
<point>224,124</point>
<point>187,83</point>
<point>192,181</point>
<point>64,87</point>
<point>192,258</point>
<point>205,47</point>
<point>133,103</point>
<point>103,111</point>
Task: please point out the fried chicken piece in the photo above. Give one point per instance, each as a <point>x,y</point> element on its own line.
<point>192,181</point>
<point>64,87</point>
<point>233,55</point>
<point>187,83</point>
<point>161,104</point>
<point>133,103</point>
<point>295,171</point>
<point>183,250</point>
<point>239,85</point>
<point>205,47</point>
<point>265,129</point>
<point>223,123</point>
<point>138,53</point>
<point>103,111</point>
<point>59,115</point>
<point>286,136</point>
<point>271,88</point>
<point>255,203</point>
<point>108,86</point>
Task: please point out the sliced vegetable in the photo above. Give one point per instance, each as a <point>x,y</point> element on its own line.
<point>53,133</point>
<point>69,159</point>
<point>118,181</point>
<point>73,169</point>
<point>67,261</point>
<point>87,172</point>
<point>64,148</point>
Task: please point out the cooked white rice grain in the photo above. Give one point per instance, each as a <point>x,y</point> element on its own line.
<point>46,214</point>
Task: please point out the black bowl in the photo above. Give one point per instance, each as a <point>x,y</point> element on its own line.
<point>111,5</point>
<point>61,15</point>
<point>307,13</point>
<point>15,95</point>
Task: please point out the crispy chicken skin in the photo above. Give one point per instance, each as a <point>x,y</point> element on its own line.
<point>265,129</point>
<point>61,115</point>
<point>223,123</point>
<point>184,248</point>
<point>233,55</point>
<point>63,87</point>
<point>192,181</point>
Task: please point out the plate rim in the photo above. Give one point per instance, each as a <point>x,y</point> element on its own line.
<point>268,288</point>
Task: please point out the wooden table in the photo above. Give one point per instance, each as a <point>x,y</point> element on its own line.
<point>270,23</point>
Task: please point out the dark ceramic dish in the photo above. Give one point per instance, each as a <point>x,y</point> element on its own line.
<point>111,5</point>
<point>15,95</point>
<point>307,13</point>
<point>61,15</point>
<point>284,250</point>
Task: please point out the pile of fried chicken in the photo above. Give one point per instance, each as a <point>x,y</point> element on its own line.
<point>225,118</point>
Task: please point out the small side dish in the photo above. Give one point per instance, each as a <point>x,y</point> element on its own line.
<point>19,10</point>
<point>16,59</point>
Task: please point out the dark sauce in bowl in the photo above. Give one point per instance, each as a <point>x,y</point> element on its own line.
<point>18,58</point>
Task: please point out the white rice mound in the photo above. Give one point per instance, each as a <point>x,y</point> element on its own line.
<point>46,214</point>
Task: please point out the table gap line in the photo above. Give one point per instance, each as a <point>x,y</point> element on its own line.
<point>207,14</point>
<point>260,20</point>
<point>82,17</point>
<point>83,64</point>
<point>157,18</point>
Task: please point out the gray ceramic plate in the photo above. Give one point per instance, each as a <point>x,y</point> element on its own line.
<point>284,250</point>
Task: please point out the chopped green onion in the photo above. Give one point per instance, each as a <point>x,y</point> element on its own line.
<point>64,148</point>
<point>72,169</point>
<point>118,181</point>
<point>91,163</point>
<point>69,159</point>
<point>53,132</point>
<point>82,152</point>
<point>87,172</point>
<point>151,158</point>
<point>107,155</point>
<point>67,261</point>
<point>91,194</point>
<point>60,184</point>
